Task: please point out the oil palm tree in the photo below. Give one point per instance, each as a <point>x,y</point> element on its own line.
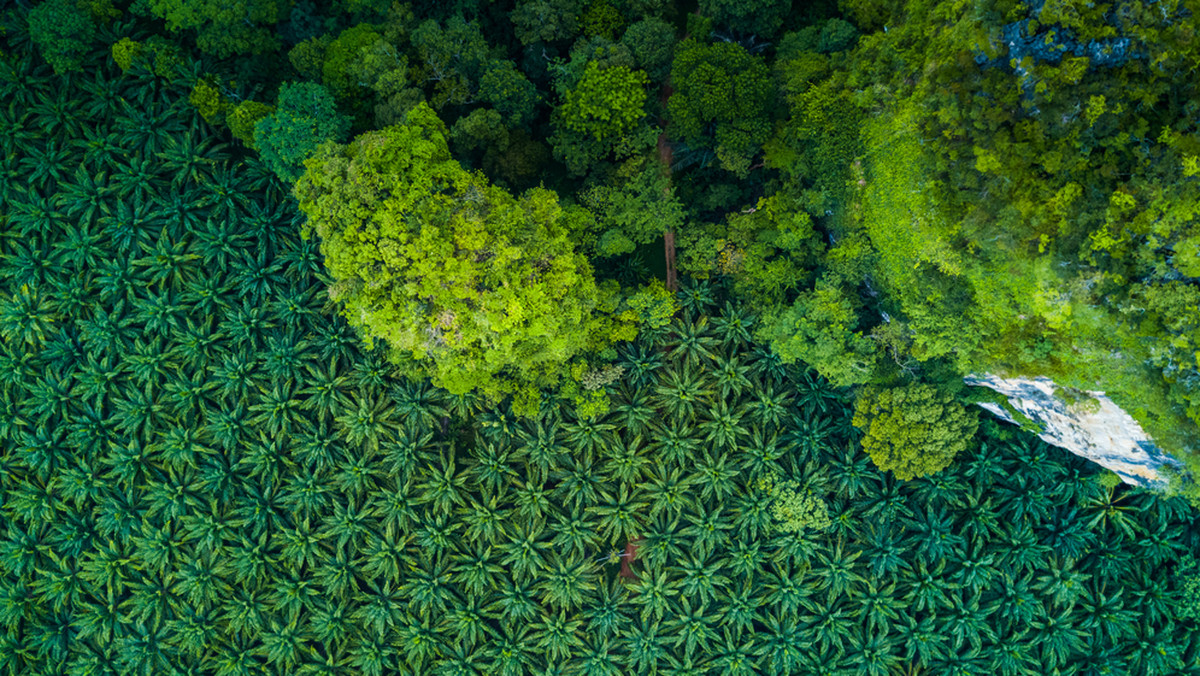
<point>886,550</point>
<point>524,551</point>
<point>761,453</point>
<point>608,615</point>
<point>588,435</point>
<point>723,426</point>
<point>769,406</point>
<point>443,487</point>
<point>696,296</point>
<point>511,654</point>
<point>690,626</point>
<point>691,342</point>
<point>542,449</point>
<point>1107,510</point>
<point>1057,638</point>
<point>715,474</point>
<point>641,363</point>
<point>478,571</point>
<point>708,528</point>
<point>832,626</point>
<point>675,444</point>
<point>27,317</point>
<point>575,532</point>
<point>1068,535</point>
<point>622,517</point>
<point>367,420</point>
<point>487,519</point>
<point>934,536</point>
<point>701,578</point>
<point>555,636</point>
<point>466,626</point>
<point>514,605</point>
<point>731,376</point>
<point>644,645</point>
<point>680,390</point>
<point>668,491</point>
<point>635,409</point>
<point>627,461</point>
<point>581,482</point>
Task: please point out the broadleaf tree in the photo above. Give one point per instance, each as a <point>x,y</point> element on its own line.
<point>464,282</point>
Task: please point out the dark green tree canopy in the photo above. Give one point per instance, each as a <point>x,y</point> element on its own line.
<point>63,33</point>
<point>721,101</point>
<point>305,117</point>
<point>224,28</point>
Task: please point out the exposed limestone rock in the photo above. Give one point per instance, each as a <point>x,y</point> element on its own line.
<point>1098,430</point>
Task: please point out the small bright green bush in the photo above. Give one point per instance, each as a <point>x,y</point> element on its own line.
<point>242,119</point>
<point>209,101</point>
<point>654,304</point>
<point>794,508</point>
<point>125,51</point>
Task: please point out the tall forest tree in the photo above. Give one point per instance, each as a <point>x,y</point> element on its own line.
<point>462,281</point>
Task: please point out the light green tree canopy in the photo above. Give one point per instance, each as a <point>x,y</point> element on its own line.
<point>600,115</point>
<point>464,282</point>
<point>913,430</point>
<point>821,329</point>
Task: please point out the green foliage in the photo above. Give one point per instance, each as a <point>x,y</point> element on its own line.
<point>63,33</point>
<point>455,57</point>
<point>125,52</point>
<point>223,28</point>
<point>600,116</point>
<point>912,430</point>
<point>721,101</point>
<point>545,20</point>
<point>601,19</point>
<point>654,304</point>
<point>821,329</point>
<point>651,41</point>
<point>793,507</point>
<point>759,17</point>
<point>209,101</point>
<point>606,103</point>
<point>769,250</point>
<point>463,282</point>
<point>159,57</point>
<point>509,92</point>
<point>833,35</point>
<point>342,58</point>
<point>635,208</point>
<point>305,117</point>
<point>1015,235</point>
<point>244,117</point>
<point>202,472</point>
<point>308,57</point>
<point>819,145</point>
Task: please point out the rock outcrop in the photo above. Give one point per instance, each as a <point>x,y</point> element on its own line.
<point>1098,430</point>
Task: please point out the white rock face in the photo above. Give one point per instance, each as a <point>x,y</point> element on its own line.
<point>1107,436</point>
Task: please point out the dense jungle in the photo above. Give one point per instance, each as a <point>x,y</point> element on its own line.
<point>598,337</point>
